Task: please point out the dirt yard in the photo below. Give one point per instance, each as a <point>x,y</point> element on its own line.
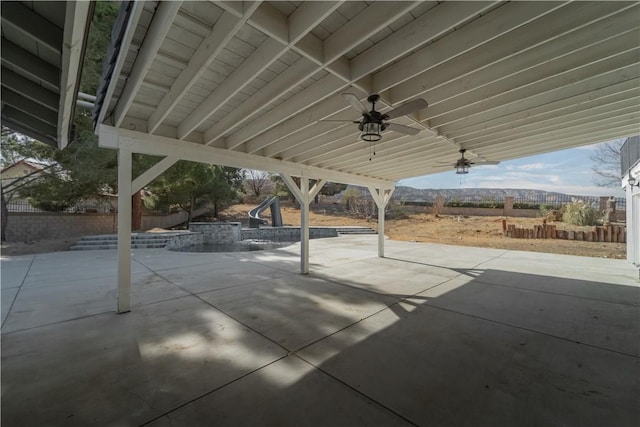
<point>453,230</point>
<point>480,231</point>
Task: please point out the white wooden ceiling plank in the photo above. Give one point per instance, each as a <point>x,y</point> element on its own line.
<point>33,25</point>
<point>336,153</point>
<point>251,36</point>
<point>124,51</point>
<point>553,76</point>
<point>308,16</point>
<point>155,36</point>
<point>311,135</point>
<point>249,69</point>
<point>537,42</point>
<point>239,48</point>
<point>299,71</point>
<point>585,118</point>
<point>408,146</point>
<point>560,132</point>
<point>208,50</point>
<point>271,22</point>
<point>341,137</point>
<point>597,96</point>
<point>204,12</point>
<point>439,20</point>
<point>230,58</point>
<point>309,96</point>
<point>185,37</point>
<point>191,24</point>
<point>500,21</point>
<point>368,22</point>
<point>615,69</point>
<point>578,139</point>
<point>426,162</point>
<point>301,21</point>
<point>584,108</point>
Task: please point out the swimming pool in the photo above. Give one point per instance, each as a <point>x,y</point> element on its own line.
<point>243,246</point>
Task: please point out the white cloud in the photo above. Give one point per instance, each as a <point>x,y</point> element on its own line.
<point>534,166</point>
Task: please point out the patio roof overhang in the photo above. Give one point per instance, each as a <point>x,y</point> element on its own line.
<point>42,49</point>
<point>253,80</point>
<point>249,85</point>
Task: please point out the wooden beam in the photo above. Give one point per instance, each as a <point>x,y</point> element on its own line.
<point>562,79</point>
<point>138,142</point>
<point>75,34</point>
<point>429,26</point>
<point>152,173</point>
<point>516,51</point>
<point>289,78</point>
<point>223,31</point>
<point>156,33</point>
<point>301,21</point>
<point>265,55</point>
<point>318,91</point>
<point>132,23</point>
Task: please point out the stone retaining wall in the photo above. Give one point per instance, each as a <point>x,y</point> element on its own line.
<point>286,234</point>
<point>184,240</point>
<point>217,232</point>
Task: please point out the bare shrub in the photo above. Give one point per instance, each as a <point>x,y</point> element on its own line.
<point>438,204</point>
<point>579,213</point>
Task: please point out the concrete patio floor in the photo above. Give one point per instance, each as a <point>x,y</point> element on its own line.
<point>431,335</point>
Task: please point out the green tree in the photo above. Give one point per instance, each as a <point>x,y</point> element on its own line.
<point>190,185</point>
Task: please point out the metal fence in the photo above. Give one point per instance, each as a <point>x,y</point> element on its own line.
<point>549,201</point>
<point>26,206</point>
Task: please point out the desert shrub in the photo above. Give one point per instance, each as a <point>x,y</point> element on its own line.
<point>396,211</point>
<point>437,206</point>
<point>579,213</point>
<point>545,208</point>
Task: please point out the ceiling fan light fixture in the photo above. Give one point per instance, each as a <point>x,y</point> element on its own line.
<point>462,169</point>
<point>371,132</point>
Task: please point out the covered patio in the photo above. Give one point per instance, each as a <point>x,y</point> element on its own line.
<point>374,332</point>
<point>360,93</point>
<point>429,335</point>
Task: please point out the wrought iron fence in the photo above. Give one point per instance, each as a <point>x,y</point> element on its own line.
<point>26,206</point>
<point>549,201</point>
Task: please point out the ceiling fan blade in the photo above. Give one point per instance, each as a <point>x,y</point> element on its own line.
<point>338,121</point>
<point>407,108</point>
<point>355,103</point>
<point>403,129</point>
<point>485,162</point>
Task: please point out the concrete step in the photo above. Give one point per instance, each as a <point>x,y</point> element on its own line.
<point>115,246</point>
<point>138,241</point>
<point>355,230</point>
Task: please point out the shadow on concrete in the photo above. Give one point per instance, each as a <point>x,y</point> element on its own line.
<point>481,347</point>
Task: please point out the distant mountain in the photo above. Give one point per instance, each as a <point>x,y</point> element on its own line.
<point>410,194</point>
<point>479,194</point>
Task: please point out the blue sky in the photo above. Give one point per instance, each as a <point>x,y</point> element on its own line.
<point>566,171</point>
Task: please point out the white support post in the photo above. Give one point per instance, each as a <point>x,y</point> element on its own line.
<point>303,195</point>
<point>381,197</point>
<point>304,226</point>
<point>124,230</point>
